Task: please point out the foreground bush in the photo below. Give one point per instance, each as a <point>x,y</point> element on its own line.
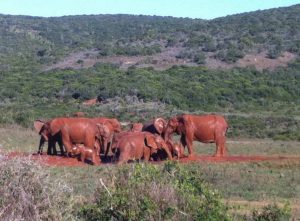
<point>27,192</point>
<point>272,213</point>
<point>147,192</point>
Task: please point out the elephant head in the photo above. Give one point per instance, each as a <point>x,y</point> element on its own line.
<point>175,148</point>
<point>156,142</point>
<point>103,130</point>
<point>136,127</point>
<point>42,128</point>
<point>171,127</point>
<point>160,124</point>
<point>104,135</point>
<point>116,125</point>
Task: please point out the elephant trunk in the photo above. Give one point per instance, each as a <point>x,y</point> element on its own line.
<point>166,148</point>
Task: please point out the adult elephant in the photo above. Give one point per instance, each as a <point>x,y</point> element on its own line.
<point>108,127</point>
<point>106,133</point>
<point>140,145</point>
<point>81,132</point>
<point>203,128</point>
<point>42,127</point>
<point>54,127</point>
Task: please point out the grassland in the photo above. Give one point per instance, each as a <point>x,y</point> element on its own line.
<point>243,186</point>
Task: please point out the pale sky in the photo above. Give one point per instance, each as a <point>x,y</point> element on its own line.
<point>205,9</point>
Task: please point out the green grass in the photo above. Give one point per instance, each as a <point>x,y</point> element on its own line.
<point>273,181</point>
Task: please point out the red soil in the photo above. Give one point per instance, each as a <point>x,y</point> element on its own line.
<point>48,160</point>
<point>64,161</point>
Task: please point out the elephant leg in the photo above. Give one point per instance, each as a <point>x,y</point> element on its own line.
<point>221,150</point>
<point>146,153</point>
<point>82,154</point>
<point>123,158</point>
<point>95,158</point>
<point>67,143</point>
<point>105,147</point>
<point>54,148</point>
<point>97,147</point>
<point>168,153</point>
<point>181,151</point>
<point>60,144</point>
<point>51,143</point>
<point>41,145</point>
<point>189,142</point>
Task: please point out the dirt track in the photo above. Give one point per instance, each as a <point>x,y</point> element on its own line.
<point>63,161</point>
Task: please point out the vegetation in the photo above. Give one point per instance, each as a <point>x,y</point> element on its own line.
<point>268,100</point>
<point>29,193</point>
<point>153,193</point>
<point>257,104</point>
<point>258,184</point>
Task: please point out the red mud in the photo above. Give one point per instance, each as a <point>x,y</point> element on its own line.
<point>64,161</point>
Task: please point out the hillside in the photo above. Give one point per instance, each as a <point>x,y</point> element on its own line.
<point>45,41</point>
<point>146,66</point>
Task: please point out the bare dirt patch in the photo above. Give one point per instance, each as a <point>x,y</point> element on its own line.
<point>67,161</point>
<point>166,59</point>
<point>260,61</point>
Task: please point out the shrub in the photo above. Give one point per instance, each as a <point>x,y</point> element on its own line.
<point>28,193</point>
<point>147,192</point>
<point>272,213</point>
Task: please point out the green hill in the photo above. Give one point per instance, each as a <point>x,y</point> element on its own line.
<point>45,63</point>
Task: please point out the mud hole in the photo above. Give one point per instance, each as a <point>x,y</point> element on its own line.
<point>49,160</point>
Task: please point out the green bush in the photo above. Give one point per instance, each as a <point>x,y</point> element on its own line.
<point>272,213</point>
<point>147,192</point>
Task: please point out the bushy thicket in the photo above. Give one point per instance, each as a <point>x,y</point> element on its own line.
<point>46,40</point>
<point>27,192</point>
<point>147,192</point>
<point>268,100</point>
<point>272,212</point>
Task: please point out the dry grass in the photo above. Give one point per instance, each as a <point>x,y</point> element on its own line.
<point>16,138</point>
<point>29,193</point>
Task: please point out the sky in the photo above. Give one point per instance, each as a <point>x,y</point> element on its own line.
<point>204,9</point>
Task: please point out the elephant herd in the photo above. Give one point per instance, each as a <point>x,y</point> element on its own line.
<point>89,138</point>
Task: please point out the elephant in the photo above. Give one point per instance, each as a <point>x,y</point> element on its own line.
<point>203,128</point>
<point>81,132</point>
<point>106,132</point>
<point>85,153</point>
<point>42,128</point>
<point>136,127</point>
<point>112,126</point>
<point>138,145</point>
<point>176,149</point>
<point>156,126</point>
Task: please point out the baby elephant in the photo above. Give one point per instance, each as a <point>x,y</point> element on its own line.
<point>86,153</point>
<point>140,145</point>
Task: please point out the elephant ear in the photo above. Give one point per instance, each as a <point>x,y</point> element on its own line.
<point>151,141</point>
<point>159,124</point>
<point>38,125</point>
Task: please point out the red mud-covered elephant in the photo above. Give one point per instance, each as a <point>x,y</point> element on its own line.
<point>158,126</point>
<point>108,127</point>
<point>203,128</point>
<point>140,145</point>
<point>81,131</point>
<point>51,130</point>
<point>42,127</point>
